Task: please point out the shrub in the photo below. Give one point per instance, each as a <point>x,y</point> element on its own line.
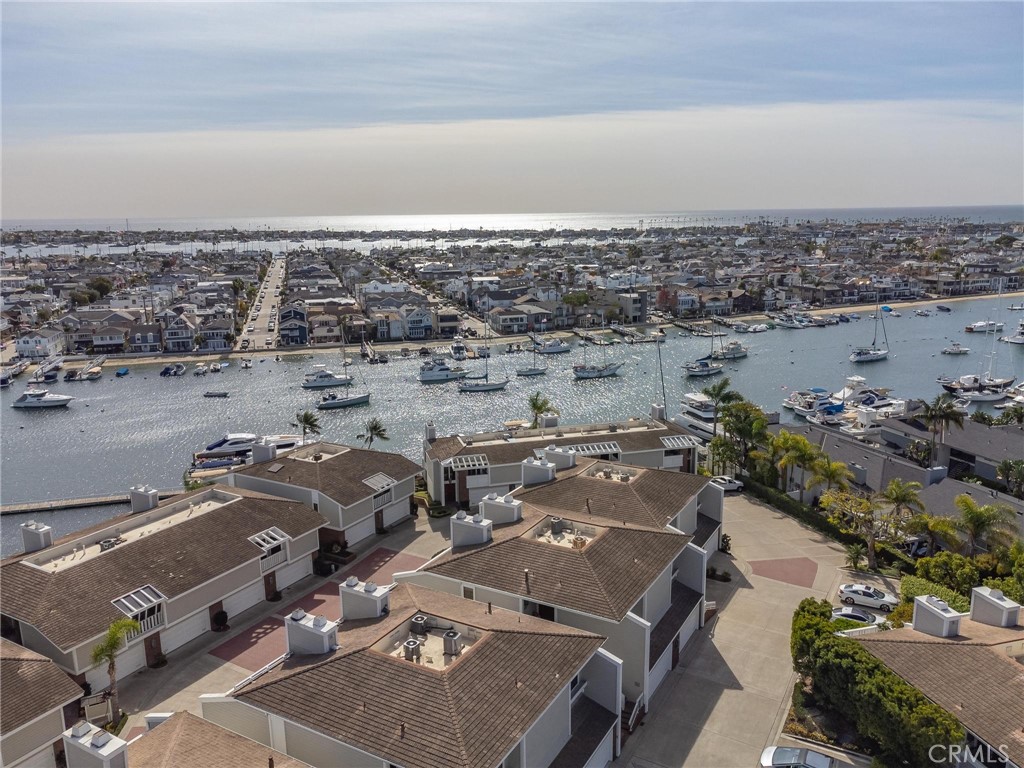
<point>913,586</point>
<point>841,624</point>
<point>1009,586</point>
<point>951,570</point>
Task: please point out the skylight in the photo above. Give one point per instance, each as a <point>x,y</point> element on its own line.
<point>139,600</point>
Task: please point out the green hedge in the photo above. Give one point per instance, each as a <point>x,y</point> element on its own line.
<point>856,685</point>
<point>914,586</point>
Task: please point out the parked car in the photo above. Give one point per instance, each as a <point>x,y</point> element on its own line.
<point>856,614</point>
<point>862,594</point>
<point>727,483</point>
<point>788,757</point>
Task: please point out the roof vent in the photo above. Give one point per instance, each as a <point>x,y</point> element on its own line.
<point>298,614</point>
<point>556,525</point>
<point>320,622</point>
<point>460,515</point>
<point>106,544</point>
<point>352,581</point>
<point>371,586</point>
<point>492,496</point>
<point>419,624</point>
<point>80,729</point>
<point>100,738</point>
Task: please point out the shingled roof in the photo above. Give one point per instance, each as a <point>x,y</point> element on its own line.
<point>469,714</point>
<point>341,473</point>
<point>970,676</point>
<point>72,605</point>
<point>32,685</point>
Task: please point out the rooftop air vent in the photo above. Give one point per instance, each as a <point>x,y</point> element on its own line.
<point>320,622</point>
<point>370,586</point>
<point>460,515</point>
<point>352,581</point>
<point>298,614</point>
<point>80,729</point>
<point>419,624</point>
<point>106,544</point>
<point>100,738</point>
<point>557,525</point>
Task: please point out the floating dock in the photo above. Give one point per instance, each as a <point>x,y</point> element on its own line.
<point>57,505</point>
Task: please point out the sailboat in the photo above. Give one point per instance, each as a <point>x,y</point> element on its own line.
<point>874,352</point>
<point>603,371</point>
<point>533,370</point>
<point>482,384</point>
<point>704,366</point>
<point>990,390</point>
<point>332,400</point>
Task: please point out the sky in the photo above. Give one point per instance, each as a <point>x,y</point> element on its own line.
<point>167,109</point>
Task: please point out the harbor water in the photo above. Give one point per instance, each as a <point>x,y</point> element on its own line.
<point>143,428</point>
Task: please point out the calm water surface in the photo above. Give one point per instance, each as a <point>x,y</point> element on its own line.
<point>143,428</point>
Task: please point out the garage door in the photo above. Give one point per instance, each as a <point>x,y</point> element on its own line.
<point>244,598</point>
<point>289,574</point>
<point>360,531</point>
<point>131,659</point>
<point>396,513</point>
<point>187,629</point>
<point>41,759</point>
<point>690,626</point>
<point>659,670</point>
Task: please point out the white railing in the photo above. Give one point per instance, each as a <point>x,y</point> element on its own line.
<point>638,708</point>
<point>868,630</point>
<point>272,561</point>
<point>146,625</point>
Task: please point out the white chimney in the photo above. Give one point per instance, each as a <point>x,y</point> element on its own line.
<point>467,530</point>
<point>501,509</point>
<point>36,536</point>
<point>263,451</point>
<point>562,458</point>
<point>536,471</point>
<point>153,719</point>
<point>991,606</point>
<point>363,600</point>
<point>430,432</point>
<point>547,421</point>
<point>934,617</point>
<point>657,412</point>
<point>309,634</point>
<point>88,746</point>
<point>142,498</point>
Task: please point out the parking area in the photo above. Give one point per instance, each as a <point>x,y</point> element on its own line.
<point>260,326</point>
<point>727,699</point>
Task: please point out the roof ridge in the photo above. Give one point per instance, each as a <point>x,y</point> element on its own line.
<point>585,552</point>
<point>449,698</point>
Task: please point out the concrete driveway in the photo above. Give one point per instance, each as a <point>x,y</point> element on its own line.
<point>729,695</point>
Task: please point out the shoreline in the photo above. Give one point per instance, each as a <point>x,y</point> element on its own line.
<point>393,347</point>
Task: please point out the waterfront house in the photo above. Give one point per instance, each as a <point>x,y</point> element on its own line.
<point>447,322</point>
<point>419,678</point>
<point>461,469</point>
<point>324,328</point>
<point>597,546</point>
<point>359,492</point>
<point>418,322</point>
<point>180,568</point>
<point>40,344</point>
<point>217,334</point>
<point>293,325</point>
<point>109,339</point>
<point>970,664</point>
<point>180,331</point>
<point>144,337</point>
<point>506,320</point>
<point>37,699</point>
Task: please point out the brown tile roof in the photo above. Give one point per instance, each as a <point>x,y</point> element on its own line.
<point>969,676</point>
<point>72,606</point>
<point>469,715</point>
<point>522,445</point>
<point>185,739</point>
<point>605,578</point>
<point>340,476</point>
<point>32,685</point>
<point>652,498</point>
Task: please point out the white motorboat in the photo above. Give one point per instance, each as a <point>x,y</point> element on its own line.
<point>984,326</point>
<point>1018,337</point>
<point>800,396</point>
<point>241,443</point>
<point>40,398</point>
<point>731,351</point>
<point>740,327</point>
<point>177,369</point>
<point>812,403</point>
<point>200,369</point>
<point>551,347</point>
<point>482,351</point>
<point>437,370</point>
<point>922,313</point>
<point>333,400</point>
<point>697,415</point>
<point>215,367</point>
<point>246,362</point>
<point>832,416</point>
<point>759,328</point>
<point>323,378</point>
<point>458,348</point>
<point>703,368</point>
<point>789,321</point>
<point>956,349</point>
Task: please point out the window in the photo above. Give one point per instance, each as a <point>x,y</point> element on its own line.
<point>469,593</point>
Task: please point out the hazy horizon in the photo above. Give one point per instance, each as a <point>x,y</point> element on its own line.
<point>182,110</point>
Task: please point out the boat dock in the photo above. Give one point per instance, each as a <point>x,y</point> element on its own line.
<point>59,505</point>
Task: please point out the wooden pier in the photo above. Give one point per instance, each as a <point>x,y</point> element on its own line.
<point>58,505</point>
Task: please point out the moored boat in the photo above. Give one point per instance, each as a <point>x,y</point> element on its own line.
<point>215,394</point>
<point>333,400</point>
<point>40,398</point>
<point>984,326</point>
<point>702,368</point>
<point>121,372</point>
<point>437,370</point>
<point>323,378</point>
<point>956,349</point>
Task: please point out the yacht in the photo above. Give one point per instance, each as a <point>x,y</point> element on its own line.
<point>697,415</point>
<point>856,390</point>
<point>458,348</point>
<point>482,351</point>
<point>984,326</point>
<point>984,395</point>
<point>333,400</point>
<point>703,368</point>
<point>551,347</point>
<point>956,349</point>
<point>483,385</point>
<point>604,371</point>
<point>323,378</point>
<point>40,398</point>
<point>533,370</point>
<point>1018,337</point>
<point>829,416</point>
<point>972,382</point>
<point>789,321</point>
<point>437,370</point>
<point>731,351</point>
<point>811,402</point>
<point>215,367</point>
<point>741,327</point>
<point>241,443</point>
<point>200,369</point>
<point>759,328</point>
<point>798,396</point>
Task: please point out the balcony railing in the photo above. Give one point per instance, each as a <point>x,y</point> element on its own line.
<point>147,624</point>
<point>272,561</point>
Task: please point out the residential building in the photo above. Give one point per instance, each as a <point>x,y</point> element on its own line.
<point>419,678</point>
<point>293,326</point>
<point>40,344</point>
<point>507,320</point>
<point>144,337</point>
<point>447,322</point>
<point>175,567</point>
<point>37,695</point>
<point>461,469</point>
<point>358,491</point>
<point>109,339</point>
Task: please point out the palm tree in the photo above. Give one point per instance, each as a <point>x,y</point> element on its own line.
<point>902,497</point>
<point>1013,415</point>
<point>539,404</point>
<point>106,652</point>
<point>307,421</point>
<point>938,415</point>
<point>797,452</point>
<point>854,554</point>
<point>373,429</point>
<point>1011,472</point>
<point>829,472</point>
<point>935,529</point>
<point>719,394</point>
<point>992,522</point>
